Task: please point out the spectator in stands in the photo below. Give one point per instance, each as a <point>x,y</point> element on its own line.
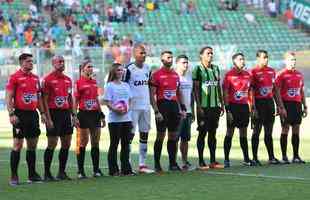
<point>68,44</point>
<point>183,7</point>
<point>119,11</point>
<point>28,34</point>
<point>289,17</point>
<point>5,31</point>
<point>272,9</point>
<point>77,40</point>
<point>110,13</point>
<point>191,7</point>
<point>210,26</point>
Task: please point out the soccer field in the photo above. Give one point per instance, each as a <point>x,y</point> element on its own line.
<point>238,182</point>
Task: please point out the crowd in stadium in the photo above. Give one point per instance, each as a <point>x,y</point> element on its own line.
<point>252,97</point>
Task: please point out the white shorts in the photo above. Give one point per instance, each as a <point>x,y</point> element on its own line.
<point>141,119</point>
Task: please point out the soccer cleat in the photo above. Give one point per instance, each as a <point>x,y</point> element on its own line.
<point>14,181</point>
<point>285,161</point>
<point>174,167</point>
<point>143,169</point>
<point>256,162</point>
<point>226,164</point>
<point>49,178</point>
<point>35,178</point>
<point>63,176</point>
<point>97,174</point>
<point>81,175</point>
<point>248,163</point>
<point>298,160</point>
<point>158,168</point>
<point>115,174</point>
<point>216,165</point>
<point>203,166</point>
<point>274,161</point>
<point>186,166</point>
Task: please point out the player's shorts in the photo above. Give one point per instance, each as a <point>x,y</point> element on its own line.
<point>89,119</point>
<point>294,113</point>
<point>184,132</point>
<point>266,111</point>
<point>241,115</point>
<point>210,119</point>
<point>141,119</point>
<point>62,123</point>
<point>170,112</point>
<point>28,126</point>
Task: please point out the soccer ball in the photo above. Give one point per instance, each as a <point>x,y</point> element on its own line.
<point>121,105</point>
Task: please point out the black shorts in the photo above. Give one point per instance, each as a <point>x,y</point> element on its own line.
<point>294,113</point>
<point>89,119</point>
<point>62,123</point>
<point>266,111</point>
<point>28,126</point>
<point>171,115</point>
<point>241,115</point>
<point>184,132</point>
<point>210,120</point>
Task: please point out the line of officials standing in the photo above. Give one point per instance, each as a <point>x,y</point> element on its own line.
<point>171,92</point>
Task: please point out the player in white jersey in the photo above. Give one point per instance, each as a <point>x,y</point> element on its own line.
<point>186,90</point>
<point>137,76</point>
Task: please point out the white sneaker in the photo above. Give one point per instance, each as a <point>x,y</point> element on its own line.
<point>143,169</point>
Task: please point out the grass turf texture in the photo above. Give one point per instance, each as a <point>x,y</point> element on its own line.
<point>270,182</point>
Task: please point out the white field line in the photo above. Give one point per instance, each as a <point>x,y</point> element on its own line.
<point>209,172</point>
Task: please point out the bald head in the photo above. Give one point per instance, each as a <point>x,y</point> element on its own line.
<point>58,63</point>
<point>139,54</point>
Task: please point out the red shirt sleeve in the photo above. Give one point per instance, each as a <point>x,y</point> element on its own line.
<point>226,82</point>
<point>45,86</point>
<point>278,81</point>
<point>11,84</point>
<point>76,90</point>
<point>154,80</point>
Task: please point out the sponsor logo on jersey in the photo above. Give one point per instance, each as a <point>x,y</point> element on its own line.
<point>89,104</point>
<point>169,94</point>
<point>140,82</point>
<point>29,98</point>
<point>264,91</point>
<point>239,95</point>
<point>293,92</point>
<point>60,101</point>
<point>211,83</point>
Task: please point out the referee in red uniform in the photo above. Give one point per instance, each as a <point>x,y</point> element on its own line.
<point>57,100</point>
<point>264,94</point>
<point>165,100</point>
<point>23,98</point>
<point>291,84</point>
<point>236,90</point>
<point>89,119</point>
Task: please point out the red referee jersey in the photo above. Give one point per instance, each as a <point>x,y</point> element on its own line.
<point>238,85</point>
<point>26,89</point>
<point>262,82</point>
<point>290,83</point>
<point>86,92</point>
<point>59,88</point>
<point>167,82</point>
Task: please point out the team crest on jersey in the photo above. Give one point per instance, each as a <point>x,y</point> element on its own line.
<point>293,92</point>
<point>239,95</point>
<point>264,91</point>
<point>60,101</point>
<point>89,104</point>
<point>29,97</point>
<point>169,94</point>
